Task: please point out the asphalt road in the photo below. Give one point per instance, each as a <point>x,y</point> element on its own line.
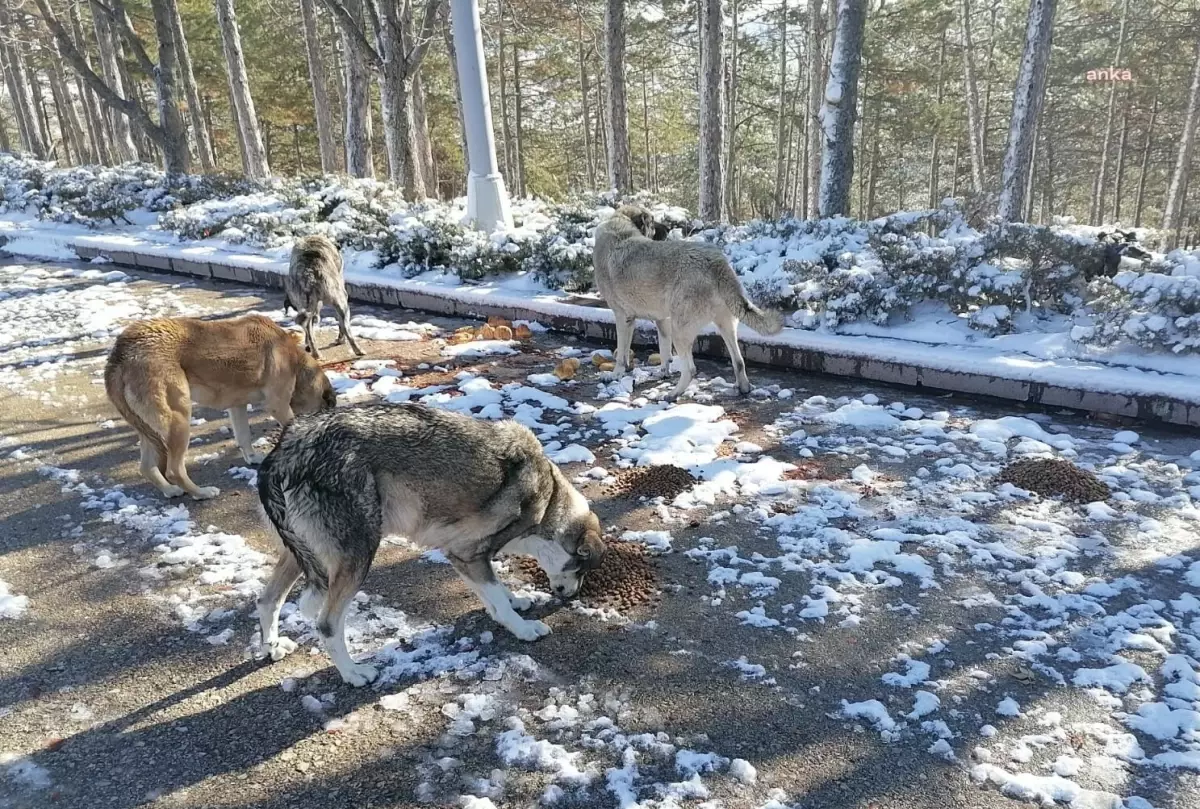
<point>108,699</point>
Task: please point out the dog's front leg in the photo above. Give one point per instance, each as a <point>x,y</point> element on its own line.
<point>496,598</point>
<point>240,422</point>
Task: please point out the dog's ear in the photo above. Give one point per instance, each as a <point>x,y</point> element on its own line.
<point>591,546</point>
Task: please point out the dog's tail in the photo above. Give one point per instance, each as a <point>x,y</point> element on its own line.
<point>763,321</point>
<point>271,483</point>
<point>114,386</point>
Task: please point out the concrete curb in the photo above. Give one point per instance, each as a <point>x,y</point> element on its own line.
<point>1176,410</point>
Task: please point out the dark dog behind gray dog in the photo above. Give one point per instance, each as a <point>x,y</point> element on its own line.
<point>337,483</point>
<point>314,277</point>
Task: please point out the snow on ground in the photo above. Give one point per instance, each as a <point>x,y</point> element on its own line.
<point>46,314</point>
<point>930,335</point>
<point>12,605</point>
<point>838,517</point>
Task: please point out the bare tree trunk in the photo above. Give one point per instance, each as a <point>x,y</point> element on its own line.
<point>239,88</point>
<point>5,142</point>
<point>816,66</point>
<point>936,140</point>
<point>39,102</point>
<point>423,142</point>
<point>1173,207</point>
<point>396,103</point>
<point>646,129</point>
<point>18,90</point>
<point>267,140</point>
<point>448,33</point>
<point>840,110</point>
<point>781,122</point>
<point>176,158</point>
<point>1146,148</point>
<point>1122,152</point>
<point>971,90</point>
<point>507,154</point>
<point>793,131</point>
<point>712,61</point>
<point>1100,183</point>
<point>68,119</point>
<point>954,161</point>
<point>124,149</point>
<point>800,200</point>
<point>619,172</point>
<point>1048,183</point>
<point>93,115</point>
<point>985,127</point>
<point>585,95</point>
<point>731,101</point>
<point>519,119</point>
<point>199,130</point>
<point>299,167</point>
<point>1027,214</point>
<point>326,147</point>
<point>1028,96</point>
<point>359,162</point>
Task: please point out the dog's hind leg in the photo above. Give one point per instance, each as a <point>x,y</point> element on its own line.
<point>664,346</point>
<point>727,325</point>
<point>240,422</point>
<point>624,323</point>
<point>683,339</point>
<point>331,623</point>
<point>311,315</point>
<point>178,414</point>
<point>153,466</point>
<point>497,600</point>
<point>286,571</point>
<point>341,310</point>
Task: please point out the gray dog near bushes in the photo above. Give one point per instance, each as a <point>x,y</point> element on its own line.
<point>336,484</point>
<point>314,277</point>
<point>682,286</point>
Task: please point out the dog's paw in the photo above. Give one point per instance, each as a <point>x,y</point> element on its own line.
<point>171,490</point>
<point>359,675</point>
<point>530,630</point>
<point>280,648</point>
<point>520,603</point>
<point>205,492</point>
<point>358,352</point>
<point>254,458</point>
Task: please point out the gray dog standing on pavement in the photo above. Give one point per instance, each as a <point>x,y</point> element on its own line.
<point>314,277</point>
<point>682,286</point>
<point>337,483</point>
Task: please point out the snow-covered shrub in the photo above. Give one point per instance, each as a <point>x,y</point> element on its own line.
<point>561,258</point>
<point>86,195</point>
<point>419,240</point>
<point>1158,309</point>
<point>1051,263</point>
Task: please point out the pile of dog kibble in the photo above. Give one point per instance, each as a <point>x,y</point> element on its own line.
<point>1052,477</point>
<point>666,481</point>
<point>625,579</point>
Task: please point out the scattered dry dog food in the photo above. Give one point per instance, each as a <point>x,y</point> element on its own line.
<point>625,579</point>
<point>666,481</point>
<point>1051,477</point>
<point>567,369</point>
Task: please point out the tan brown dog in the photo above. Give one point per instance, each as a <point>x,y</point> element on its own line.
<point>159,367</point>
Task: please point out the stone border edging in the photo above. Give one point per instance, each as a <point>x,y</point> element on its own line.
<point>1175,410</point>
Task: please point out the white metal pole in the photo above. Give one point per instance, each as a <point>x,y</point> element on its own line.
<point>487,198</point>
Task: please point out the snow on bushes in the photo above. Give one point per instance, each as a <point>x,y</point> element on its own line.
<point>829,272</point>
<point>1158,309</point>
